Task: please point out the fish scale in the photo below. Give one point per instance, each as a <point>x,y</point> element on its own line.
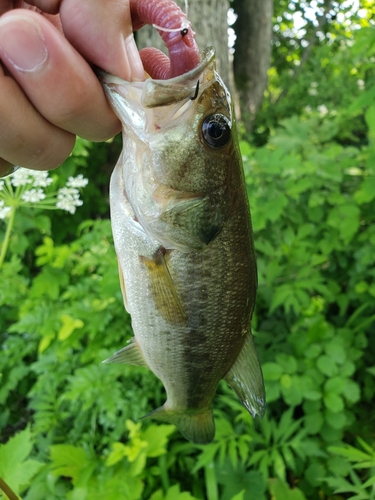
<point>182,233</point>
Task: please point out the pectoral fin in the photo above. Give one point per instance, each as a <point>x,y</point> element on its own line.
<point>129,355</point>
<point>163,290</point>
<point>246,379</point>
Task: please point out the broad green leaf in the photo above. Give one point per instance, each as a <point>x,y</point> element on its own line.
<point>366,191</point>
<point>352,392</point>
<point>271,371</point>
<point>69,324</point>
<point>326,365</point>
<point>281,491</point>
<point>119,451</point>
<point>336,352</point>
<point>68,460</point>
<point>333,402</point>
<point>362,101</point>
<point>336,420</point>
<point>15,466</point>
<point>156,437</point>
<point>315,474</point>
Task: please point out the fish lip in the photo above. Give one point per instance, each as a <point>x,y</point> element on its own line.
<point>207,56</point>
<point>156,93</point>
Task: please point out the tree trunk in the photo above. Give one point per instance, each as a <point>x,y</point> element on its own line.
<point>253,29</point>
<point>209,21</point>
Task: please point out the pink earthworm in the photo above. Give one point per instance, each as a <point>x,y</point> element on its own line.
<point>182,47</point>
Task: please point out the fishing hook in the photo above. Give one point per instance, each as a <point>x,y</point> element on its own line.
<point>196,92</point>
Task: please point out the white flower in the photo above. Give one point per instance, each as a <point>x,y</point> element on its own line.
<point>323,110</point>
<point>77,182</point>
<point>68,199</point>
<point>361,84</point>
<point>33,195</point>
<point>3,210</point>
<point>41,178</point>
<point>21,177</point>
<point>313,90</point>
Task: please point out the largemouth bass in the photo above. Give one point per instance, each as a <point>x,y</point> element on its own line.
<point>183,237</point>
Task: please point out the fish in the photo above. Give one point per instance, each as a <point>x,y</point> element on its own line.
<point>182,229</point>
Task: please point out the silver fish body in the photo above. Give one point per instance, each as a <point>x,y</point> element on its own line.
<point>183,237</point>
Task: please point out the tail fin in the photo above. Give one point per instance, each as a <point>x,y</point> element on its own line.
<point>196,425</point>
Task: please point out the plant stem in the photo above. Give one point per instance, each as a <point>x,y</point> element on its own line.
<point>7,490</point>
<point>211,483</point>
<point>164,472</point>
<point>5,243</point>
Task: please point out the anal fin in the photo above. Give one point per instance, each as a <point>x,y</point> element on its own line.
<point>129,355</point>
<point>246,379</point>
<point>196,425</point>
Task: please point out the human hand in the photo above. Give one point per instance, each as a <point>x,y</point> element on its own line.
<point>48,91</point>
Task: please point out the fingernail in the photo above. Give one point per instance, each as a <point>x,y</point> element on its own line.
<point>135,63</point>
<point>8,170</point>
<point>22,43</point>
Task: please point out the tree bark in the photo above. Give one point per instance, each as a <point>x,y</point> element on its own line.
<point>209,21</point>
<point>252,55</point>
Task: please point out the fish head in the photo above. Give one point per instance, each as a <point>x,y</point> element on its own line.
<point>179,149</point>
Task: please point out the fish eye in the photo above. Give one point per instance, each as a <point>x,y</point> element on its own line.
<point>216,130</point>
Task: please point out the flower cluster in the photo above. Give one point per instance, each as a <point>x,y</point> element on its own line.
<point>27,187</point>
<point>68,199</point>
<point>3,209</point>
<point>24,176</point>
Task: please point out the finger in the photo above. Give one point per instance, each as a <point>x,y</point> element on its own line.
<point>6,168</point>
<point>56,79</point>
<point>101,30</point>
<point>28,139</point>
<point>49,6</point>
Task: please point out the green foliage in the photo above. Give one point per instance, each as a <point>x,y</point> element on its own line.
<point>312,194</point>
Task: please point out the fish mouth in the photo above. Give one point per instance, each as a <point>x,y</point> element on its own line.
<point>156,93</point>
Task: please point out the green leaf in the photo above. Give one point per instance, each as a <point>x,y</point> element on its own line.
<point>15,467</point>
<point>366,191</point>
<point>315,473</point>
<point>351,391</point>
<point>173,493</point>
<point>336,420</point>
<point>326,365</point>
<point>370,119</point>
<point>156,437</point>
<point>272,371</point>
<point>281,491</point>
<point>362,101</point>
<point>336,352</point>
<point>333,402</point>
<point>287,362</point>
<point>69,324</point>
<point>119,451</point>
<point>351,453</point>
<point>68,460</point>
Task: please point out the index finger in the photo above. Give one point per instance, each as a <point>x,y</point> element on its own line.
<point>101,31</point>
